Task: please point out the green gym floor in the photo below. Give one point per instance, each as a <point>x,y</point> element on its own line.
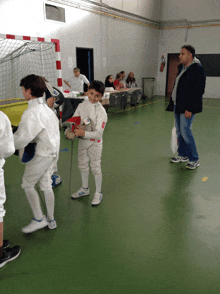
<point>157,229</point>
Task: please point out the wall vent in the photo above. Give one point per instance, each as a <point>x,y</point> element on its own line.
<point>55,13</point>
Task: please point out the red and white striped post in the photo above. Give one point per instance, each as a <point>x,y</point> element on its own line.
<point>58,56</point>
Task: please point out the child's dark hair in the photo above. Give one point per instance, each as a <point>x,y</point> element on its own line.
<point>98,86</point>
<point>35,83</point>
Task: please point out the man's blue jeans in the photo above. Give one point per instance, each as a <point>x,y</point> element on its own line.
<point>186,142</point>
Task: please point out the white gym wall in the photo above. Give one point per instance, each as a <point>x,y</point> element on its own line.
<point>118,44</point>
<point>204,39</point>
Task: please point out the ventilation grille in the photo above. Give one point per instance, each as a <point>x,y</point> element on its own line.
<point>55,13</point>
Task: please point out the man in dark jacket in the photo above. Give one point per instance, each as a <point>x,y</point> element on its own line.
<point>187,98</point>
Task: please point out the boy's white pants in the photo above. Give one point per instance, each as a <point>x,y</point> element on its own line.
<point>2,190</point>
<point>89,151</point>
<point>39,169</point>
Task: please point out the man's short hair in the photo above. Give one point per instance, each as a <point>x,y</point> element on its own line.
<point>98,86</point>
<point>35,83</point>
<point>190,48</point>
<point>76,68</point>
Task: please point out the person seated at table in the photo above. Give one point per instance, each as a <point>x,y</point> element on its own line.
<point>123,81</point>
<point>109,82</point>
<point>130,81</point>
<point>117,82</point>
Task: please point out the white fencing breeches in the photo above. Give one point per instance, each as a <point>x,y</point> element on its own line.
<point>89,151</point>
<point>39,169</point>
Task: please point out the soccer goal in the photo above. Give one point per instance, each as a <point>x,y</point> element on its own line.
<point>23,55</point>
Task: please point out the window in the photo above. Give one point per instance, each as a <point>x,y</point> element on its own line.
<point>55,13</point>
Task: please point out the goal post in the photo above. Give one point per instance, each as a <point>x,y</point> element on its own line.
<point>24,55</point>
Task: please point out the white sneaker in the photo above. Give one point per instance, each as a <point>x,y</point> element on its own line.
<point>81,192</point>
<point>179,159</point>
<point>35,225</point>
<point>193,164</point>
<point>56,180</point>
<point>52,224</point>
<point>97,199</point>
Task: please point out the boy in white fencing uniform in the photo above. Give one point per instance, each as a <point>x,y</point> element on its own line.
<point>90,145</point>
<point>39,124</point>
<point>6,149</point>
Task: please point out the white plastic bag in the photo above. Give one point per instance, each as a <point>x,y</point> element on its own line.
<point>174,140</point>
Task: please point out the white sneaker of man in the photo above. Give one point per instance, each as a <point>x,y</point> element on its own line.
<point>81,192</point>
<point>97,199</point>
<point>179,159</point>
<point>35,225</point>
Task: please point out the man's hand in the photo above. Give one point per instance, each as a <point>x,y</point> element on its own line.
<point>79,132</point>
<point>188,114</point>
<point>67,83</point>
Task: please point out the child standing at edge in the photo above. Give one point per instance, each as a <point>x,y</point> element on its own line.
<point>39,124</point>
<point>90,145</point>
<point>7,148</point>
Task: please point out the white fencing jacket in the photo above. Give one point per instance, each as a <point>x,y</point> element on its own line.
<point>7,147</point>
<point>39,124</point>
<point>98,118</point>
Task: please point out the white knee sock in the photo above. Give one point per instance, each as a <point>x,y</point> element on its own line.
<point>34,201</point>
<point>49,199</point>
<point>98,183</point>
<point>85,179</point>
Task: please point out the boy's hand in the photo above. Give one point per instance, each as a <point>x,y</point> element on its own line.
<point>79,132</point>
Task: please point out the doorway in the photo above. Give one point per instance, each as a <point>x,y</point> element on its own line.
<point>84,61</point>
<point>172,63</point>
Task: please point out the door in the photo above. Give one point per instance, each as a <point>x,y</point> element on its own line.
<point>84,61</point>
<point>172,61</point>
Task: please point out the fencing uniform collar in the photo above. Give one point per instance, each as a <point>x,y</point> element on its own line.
<point>35,101</point>
<point>94,104</point>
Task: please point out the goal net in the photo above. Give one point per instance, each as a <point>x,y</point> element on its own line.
<point>19,58</point>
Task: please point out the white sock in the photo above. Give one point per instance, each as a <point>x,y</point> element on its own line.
<point>85,179</point>
<point>49,199</point>
<point>34,201</point>
<point>98,183</point>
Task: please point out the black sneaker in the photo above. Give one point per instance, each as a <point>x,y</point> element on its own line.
<point>193,164</point>
<point>9,255</point>
<point>179,159</point>
<point>6,244</point>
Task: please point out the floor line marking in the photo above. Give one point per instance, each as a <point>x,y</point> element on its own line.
<point>136,106</point>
